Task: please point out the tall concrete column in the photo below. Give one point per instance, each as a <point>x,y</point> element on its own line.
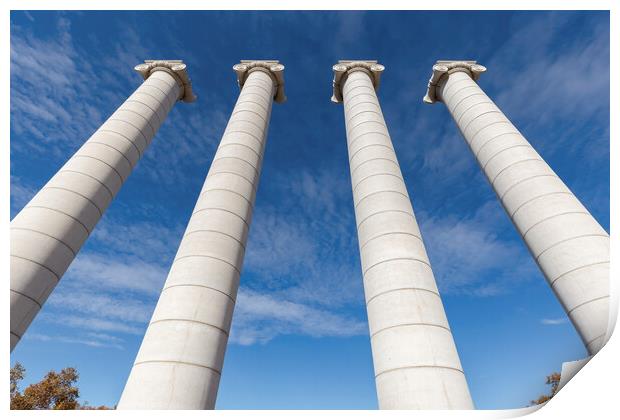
<point>180,361</point>
<point>567,243</point>
<point>50,230</point>
<point>415,359</point>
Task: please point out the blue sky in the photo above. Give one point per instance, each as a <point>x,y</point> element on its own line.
<point>299,337</point>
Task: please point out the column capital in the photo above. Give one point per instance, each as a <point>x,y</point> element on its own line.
<point>273,68</point>
<point>346,67</point>
<point>446,67</point>
<point>176,68</point>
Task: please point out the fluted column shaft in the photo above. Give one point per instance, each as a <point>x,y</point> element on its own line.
<point>567,243</point>
<point>49,231</point>
<point>415,358</point>
<point>180,360</point>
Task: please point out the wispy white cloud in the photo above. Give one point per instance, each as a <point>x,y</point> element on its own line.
<point>89,339</point>
<point>260,317</point>
<point>116,273</point>
<point>21,194</point>
<point>554,321</point>
<point>469,257</point>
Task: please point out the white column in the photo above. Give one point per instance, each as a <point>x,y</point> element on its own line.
<point>567,243</point>
<point>415,359</point>
<point>180,361</point>
<point>50,230</point>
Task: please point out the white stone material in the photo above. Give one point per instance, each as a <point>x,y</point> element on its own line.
<point>415,359</point>
<point>50,230</point>
<point>567,243</point>
<point>180,361</point>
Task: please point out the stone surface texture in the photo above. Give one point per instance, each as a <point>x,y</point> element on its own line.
<point>180,361</point>
<point>567,243</point>
<point>414,355</point>
<point>49,231</point>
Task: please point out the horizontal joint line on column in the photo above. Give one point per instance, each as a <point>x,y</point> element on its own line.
<point>267,84</point>
<point>236,158</point>
<point>257,86</point>
<point>512,133</point>
<point>352,142</point>
<point>586,302</point>
<point>234,173</point>
<point>381,123</point>
<point>230,191</point>
<point>237,111</point>
<point>506,121</point>
<point>350,117</point>
<point>386,211</point>
<point>170,105</point>
<point>378,192</point>
<point>113,148</point>
<point>141,116</point>
<point>262,105</point>
<point>526,179</point>
<point>61,212</point>
<point>513,164</point>
<point>179,362</point>
<point>207,256</point>
<point>360,82</point>
<point>234,121</point>
<point>552,217</point>
<point>478,116</point>
<point>454,108</point>
<point>19,337</point>
<point>39,264</point>
<point>223,145</point>
<point>104,162</point>
<point>191,321</point>
<point>375,175</point>
<point>159,103</point>
<point>48,235</point>
<point>391,233</point>
<point>220,209</point>
<point>502,151</point>
<point>199,285</point>
<point>347,92</point>
<point>90,176</point>
<point>243,132</point>
<point>445,92</point>
<point>537,197</point>
<point>105,130</point>
<point>594,339</point>
<point>420,366</point>
<point>362,103</point>
<point>27,297</point>
<point>593,235</point>
<point>371,160</point>
<point>409,324</point>
<point>371,94</point>
<point>370,145</point>
<point>469,86</point>
<point>77,193</point>
<point>396,259</point>
<point>163,80</point>
<point>148,106</point>
<point>214,231</point>
<point>267,79</point>
<point>146,141</point>
<point>399,290</point>
<point>458,122</point>
<point>551,283</point>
